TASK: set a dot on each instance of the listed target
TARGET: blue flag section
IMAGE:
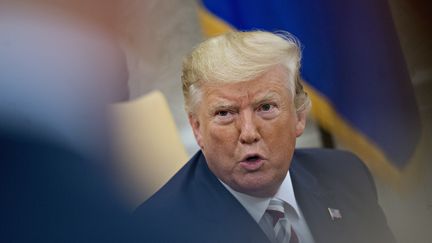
(351, 57)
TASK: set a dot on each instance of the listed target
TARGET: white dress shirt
(256, 207)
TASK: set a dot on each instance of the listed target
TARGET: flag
(353, 66)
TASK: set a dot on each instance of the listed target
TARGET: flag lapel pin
(335, 214)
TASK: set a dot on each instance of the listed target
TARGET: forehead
(270, 84)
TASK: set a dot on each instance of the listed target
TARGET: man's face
(247, 131)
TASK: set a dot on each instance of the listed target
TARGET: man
(246, 106)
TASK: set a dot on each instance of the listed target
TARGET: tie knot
(276, 210)
(282, 229)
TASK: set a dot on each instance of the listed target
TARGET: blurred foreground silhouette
(58, 73)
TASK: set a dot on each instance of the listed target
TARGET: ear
(301, 123)
(195, 124)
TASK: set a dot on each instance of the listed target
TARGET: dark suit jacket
(195, 207)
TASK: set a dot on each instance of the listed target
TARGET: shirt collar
(256, 206)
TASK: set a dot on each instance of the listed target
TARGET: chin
(259, 192)
(257, 189)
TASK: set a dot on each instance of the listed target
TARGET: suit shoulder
(336, 169)
(331, 160)
(349, 184)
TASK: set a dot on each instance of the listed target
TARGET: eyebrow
(269, 96)
(221, 105)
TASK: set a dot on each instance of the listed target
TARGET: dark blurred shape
(50, 193)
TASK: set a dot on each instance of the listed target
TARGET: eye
(268, 110)
(223, 116)
(266, 107)
(222, 113)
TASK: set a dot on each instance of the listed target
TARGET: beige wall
(157, 34)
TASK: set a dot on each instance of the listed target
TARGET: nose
(249, 132)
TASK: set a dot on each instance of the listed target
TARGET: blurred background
(154, 36)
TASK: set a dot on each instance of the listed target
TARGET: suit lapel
(315, 201)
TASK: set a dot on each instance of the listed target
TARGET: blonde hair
(242, 56)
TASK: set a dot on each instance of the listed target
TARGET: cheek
(219, 149)
(220, 135)
(220, 143)
(280, 135)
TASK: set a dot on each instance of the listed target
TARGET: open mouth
(253, 158)
(252, 162)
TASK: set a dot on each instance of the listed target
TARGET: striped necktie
(283, 230)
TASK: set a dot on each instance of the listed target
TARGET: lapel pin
(335, 214)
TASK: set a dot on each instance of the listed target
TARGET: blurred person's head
(246, 106)
(58, 72)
